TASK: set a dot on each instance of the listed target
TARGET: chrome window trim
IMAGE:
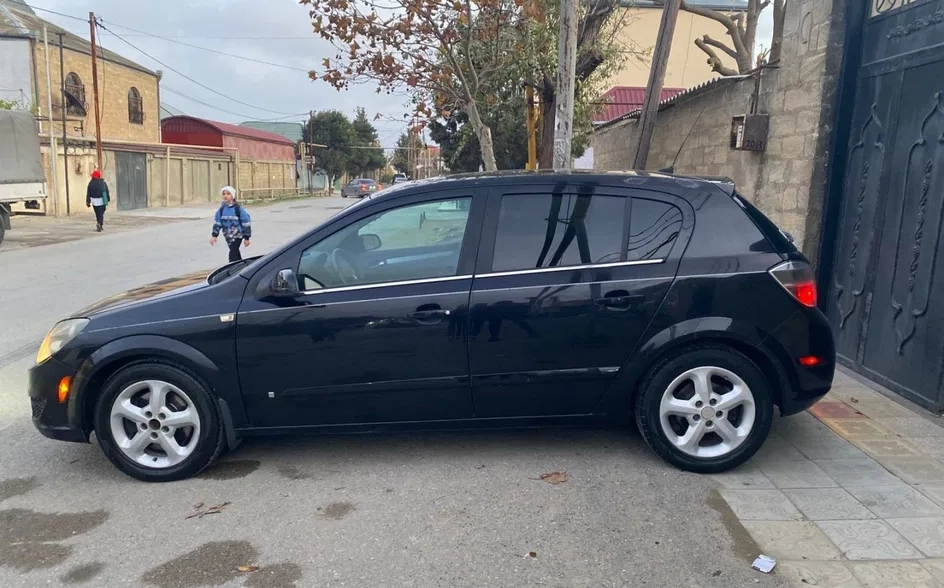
(385, 285)
(566, 268)
(488, 275)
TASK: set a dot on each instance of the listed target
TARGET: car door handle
(429, 314)
(620, 300)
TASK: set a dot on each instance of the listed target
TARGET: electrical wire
(185, 76)
(34, 7)
(165, 87)
(216, 51)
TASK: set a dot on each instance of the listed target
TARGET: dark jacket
(97, 188)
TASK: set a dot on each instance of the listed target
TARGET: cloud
(277, 31)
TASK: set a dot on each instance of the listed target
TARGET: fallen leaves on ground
(202, 511)
(247, 569)
(554, 477)
(531, 555)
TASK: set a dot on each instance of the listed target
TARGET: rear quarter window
(766, 226)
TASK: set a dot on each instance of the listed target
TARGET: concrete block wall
(787, 181)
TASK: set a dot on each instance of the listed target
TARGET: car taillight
(797, 278)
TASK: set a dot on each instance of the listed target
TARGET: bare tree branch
(718, 44)
(714, 61)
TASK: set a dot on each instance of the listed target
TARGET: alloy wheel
(155, 424)
(707, 412)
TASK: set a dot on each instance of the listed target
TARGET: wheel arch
(674, 340)
(119, 354)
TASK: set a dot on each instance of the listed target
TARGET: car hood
(161, 289)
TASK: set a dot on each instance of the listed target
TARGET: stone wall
(787, 181)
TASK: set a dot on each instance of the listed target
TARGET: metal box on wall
(749, 132)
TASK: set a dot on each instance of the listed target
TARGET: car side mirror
(370, 242)
(284, 284)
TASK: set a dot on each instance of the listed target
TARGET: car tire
(690, 432)
(129, 408)
(343, 195)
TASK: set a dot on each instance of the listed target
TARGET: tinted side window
(653, 229)
(545, 230)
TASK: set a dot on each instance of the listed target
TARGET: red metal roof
(236, 130)
(621, 100)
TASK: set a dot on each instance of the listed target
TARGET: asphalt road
(423, 509)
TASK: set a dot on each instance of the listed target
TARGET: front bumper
(50, 417)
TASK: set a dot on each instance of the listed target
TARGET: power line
(185, 76)
(223, 110)
(216, 51)
(34, 7)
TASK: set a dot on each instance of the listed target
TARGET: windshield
(275, 252)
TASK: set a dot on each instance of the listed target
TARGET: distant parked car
(400, 178)
(499, 300)
(359, 188)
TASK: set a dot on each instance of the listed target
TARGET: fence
(154, 176)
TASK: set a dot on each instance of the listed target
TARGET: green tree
(404, 156)
(367, 155)
(333, 129)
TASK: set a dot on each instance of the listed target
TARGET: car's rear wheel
(157, 423)
(706, 410)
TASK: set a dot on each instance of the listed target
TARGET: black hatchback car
(498, 300)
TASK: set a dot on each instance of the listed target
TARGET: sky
(275, 31)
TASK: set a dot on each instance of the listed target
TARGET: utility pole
(566, 71)
(65, 101)
(53, 151)
(532, 139)
(98, 114)
(660, 60)
(310, 149)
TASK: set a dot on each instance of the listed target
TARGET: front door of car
(374, 334)
(567, 279)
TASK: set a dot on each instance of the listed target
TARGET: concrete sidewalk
(848, 495)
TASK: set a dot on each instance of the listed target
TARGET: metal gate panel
(886, 295)
(907, 348)
(131, 172)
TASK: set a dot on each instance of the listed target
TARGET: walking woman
(96, 196)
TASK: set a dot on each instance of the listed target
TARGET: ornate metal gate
(886, 295)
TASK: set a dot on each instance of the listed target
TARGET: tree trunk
(546, 131)
(484, 135)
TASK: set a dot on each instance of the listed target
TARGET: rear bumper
(50, 417)
(806, 334)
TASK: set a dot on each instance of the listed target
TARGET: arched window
(135, 107)
(75, 95)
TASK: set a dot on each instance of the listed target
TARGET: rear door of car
(568, 276)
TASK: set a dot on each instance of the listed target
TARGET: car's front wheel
(705, 410)
(157, 423)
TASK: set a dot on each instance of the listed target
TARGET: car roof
(523, 177)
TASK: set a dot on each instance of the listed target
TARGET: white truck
(22, 177)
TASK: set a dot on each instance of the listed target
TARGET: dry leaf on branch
(246, 569)
(215, 509)
(554, 477)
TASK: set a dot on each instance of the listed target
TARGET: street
(849, 494)
(430, 509)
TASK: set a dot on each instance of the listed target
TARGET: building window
(135, 107)
(75, 95)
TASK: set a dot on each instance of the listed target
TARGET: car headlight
(59, 336)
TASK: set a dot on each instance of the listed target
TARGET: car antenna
(671, 168)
